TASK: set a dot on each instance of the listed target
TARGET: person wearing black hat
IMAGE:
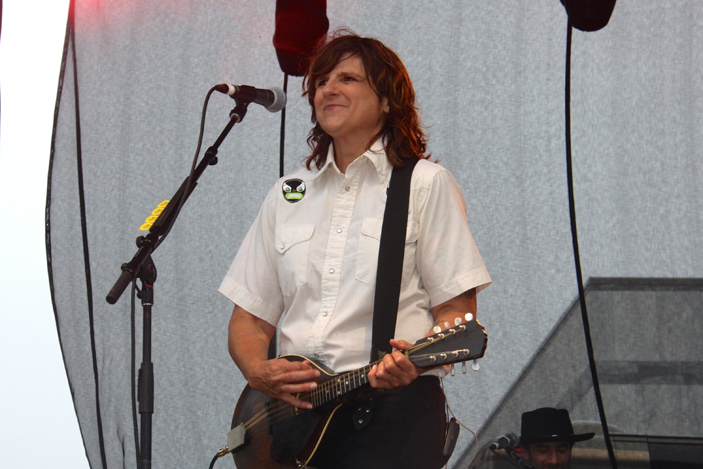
(547, 437)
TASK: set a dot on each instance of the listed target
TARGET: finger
(400, 344)
(375, 381)
(371, 376)
(304, 365)
(295, 376)
(398, 364)
(294, 401)
(403, 363)
(389, 372)
(402, 369)
(295, 388)
(282, 365)
(390, 364)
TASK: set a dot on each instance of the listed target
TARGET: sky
(38, 425)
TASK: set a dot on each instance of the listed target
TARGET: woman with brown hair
(312, 253)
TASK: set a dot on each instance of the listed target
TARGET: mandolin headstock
(465, 341)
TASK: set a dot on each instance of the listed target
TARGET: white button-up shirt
(313, 257)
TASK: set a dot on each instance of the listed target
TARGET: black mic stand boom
(143, 267)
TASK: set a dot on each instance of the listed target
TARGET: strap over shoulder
(390, 259)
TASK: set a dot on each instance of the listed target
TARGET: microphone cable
(577, 256)
(282, 150)
(212, 463)
(135, 289)
(281, 168)
(189, 185)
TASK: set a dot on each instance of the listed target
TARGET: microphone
(509, 440)
(273, 100)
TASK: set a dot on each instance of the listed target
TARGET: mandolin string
(275, 411)
(318, 395)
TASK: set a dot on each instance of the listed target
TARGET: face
(549, 455)
(346, 106)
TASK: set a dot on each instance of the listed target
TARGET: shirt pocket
(369, 243)
(292, 245)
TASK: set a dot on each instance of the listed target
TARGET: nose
(552, 458)
(330, 88)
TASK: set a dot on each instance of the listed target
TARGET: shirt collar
(376, 154)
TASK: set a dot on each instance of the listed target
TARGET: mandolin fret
(339, 385)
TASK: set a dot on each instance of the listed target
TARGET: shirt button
(283, 246)
(347, 188)
(331, 271)
(324, 313)
(339, 230)
(317, 354)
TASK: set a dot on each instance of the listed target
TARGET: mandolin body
(285, 436)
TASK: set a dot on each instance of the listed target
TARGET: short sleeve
(447, 257)
(252, 279)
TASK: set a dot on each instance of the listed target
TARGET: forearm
(248, 341)
(457, 307)
(395, 369)
(248, 345)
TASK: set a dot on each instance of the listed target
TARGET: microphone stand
(145, 386)
(143, 267)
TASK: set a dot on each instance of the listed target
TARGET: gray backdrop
(490, 83)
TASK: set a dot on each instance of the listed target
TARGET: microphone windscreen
(279, 100)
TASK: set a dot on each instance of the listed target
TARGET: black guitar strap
(390, 259)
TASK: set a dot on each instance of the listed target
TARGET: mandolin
(271, 434)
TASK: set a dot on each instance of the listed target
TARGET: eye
(320, 82)
(348, 79)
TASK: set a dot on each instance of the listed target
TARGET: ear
(384, 105)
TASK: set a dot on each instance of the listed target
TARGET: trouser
(406, 430)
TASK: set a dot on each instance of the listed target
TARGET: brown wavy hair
(389, 79)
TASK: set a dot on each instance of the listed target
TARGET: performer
(311, 256)
(547, 437)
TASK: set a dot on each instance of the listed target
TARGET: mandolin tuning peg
(436, 329)
(463, 367)
(469, 317)
(475, 366)
(457, 321)
(453, 371)
(446, 325)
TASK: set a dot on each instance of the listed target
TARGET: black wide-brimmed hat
(548, 425)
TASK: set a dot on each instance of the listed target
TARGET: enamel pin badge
(293, 190)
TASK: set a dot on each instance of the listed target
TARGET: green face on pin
(293, 190)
